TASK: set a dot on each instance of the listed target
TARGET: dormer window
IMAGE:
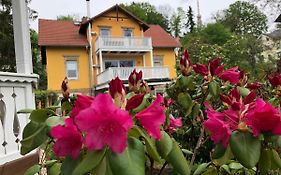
(128, 32)
(105, 31)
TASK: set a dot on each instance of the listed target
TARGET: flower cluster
(105, 120)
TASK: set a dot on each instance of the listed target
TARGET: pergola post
(22, 37)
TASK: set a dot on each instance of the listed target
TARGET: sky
(50, 9)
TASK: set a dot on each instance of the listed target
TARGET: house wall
(56, 68)
(169, 59)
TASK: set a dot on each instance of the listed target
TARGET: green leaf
(226, 168)
(186, 82)
(165, 145)
(54, 121)
(50, 163)
(201, 168)
(245, 148)
(89, 162)
(185, 102)
(225, 158)
(214, 88)
(33, 170)
(144, 104)
(243, 91)
(25, 111)
(187, 152)
(41, 115)
(55, 169)
(235, 166)
(131, 161)
(149, 143)
(177, 160)
(219, 151)
(66, 106)
(269, 160)
(69, 165)
(33, 136)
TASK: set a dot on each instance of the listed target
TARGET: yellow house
(98, 49)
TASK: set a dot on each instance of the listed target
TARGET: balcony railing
(123, 44)
(124, 72)
(15, 94)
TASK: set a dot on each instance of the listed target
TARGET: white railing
(15, 94)
(124, 72)
(123, 43)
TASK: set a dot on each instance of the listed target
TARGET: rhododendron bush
(210, 120)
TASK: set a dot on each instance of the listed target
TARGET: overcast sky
(50, 9)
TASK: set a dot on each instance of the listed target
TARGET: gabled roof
(116, 8)
(278, 19)
(60, 33)
(160, 38)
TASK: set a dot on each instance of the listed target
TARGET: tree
(65, 18)
(244, 18)
(148, 13)
(177, 22)
(7, 53)
(273, 5)
(190, 24)
(215, 33)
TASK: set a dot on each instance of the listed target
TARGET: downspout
(91, 76)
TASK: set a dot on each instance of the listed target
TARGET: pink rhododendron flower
(274, 79)
(264, 118)
(68, 139)
(215, 67)
(232, 75)
(81, 103)
(153, 117)
(174, 124)
(134, 80)
(201, 69)
(168, 102)
(134, 102)
(254, 86)
(220, 130)
(105, 124)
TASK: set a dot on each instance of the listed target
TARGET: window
(128, 32)
(158, 61)
(72, 69)
(118, 63)
(105, 32)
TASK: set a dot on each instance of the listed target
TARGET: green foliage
(245, 18)
(245, 148)
(33, 170)
(131, 161)
(176, 22)
(45, 97)
(65, 18)
(148, 13)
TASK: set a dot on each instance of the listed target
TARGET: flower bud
(135, 80)
(65, 88)
(274, 79)
(185, 64)
(118, 92)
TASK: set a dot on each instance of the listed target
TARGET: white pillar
(143, 60)
(91, 75)
(101, 64)
(22, 37)
(151, 58)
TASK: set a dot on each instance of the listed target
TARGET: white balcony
(15, 94)
(123, 44)
(124, 72)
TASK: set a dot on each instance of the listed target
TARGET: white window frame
(126, 29)
(118, 60)
(105, 28)
(160, 58)
(69, 59)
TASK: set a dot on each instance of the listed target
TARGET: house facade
(98, 49)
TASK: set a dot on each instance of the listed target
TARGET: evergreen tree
(190, 24)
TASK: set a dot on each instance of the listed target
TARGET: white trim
(16, 77)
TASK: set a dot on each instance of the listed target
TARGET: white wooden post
(151, 59)
(143, 60)
(101, 64)
(22, 37)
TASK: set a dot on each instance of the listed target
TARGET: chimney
(88, 9)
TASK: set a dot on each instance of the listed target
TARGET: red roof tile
(60, 33)
(160, 38)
